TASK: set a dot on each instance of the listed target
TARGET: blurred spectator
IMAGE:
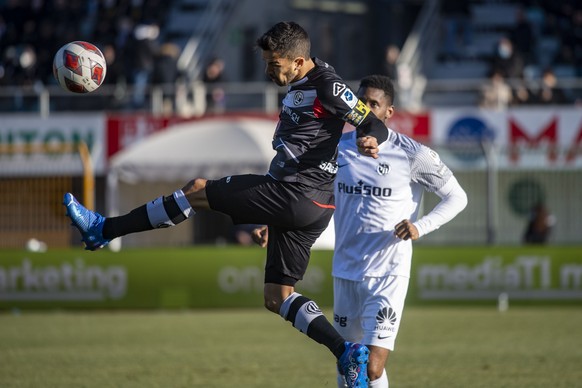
(392, 54)
(506, 60)
(143, 46)
(165, 64)
(523, 37)
(539, 225)
(496, 93)
(522, 95)
(549, 92)
(458, 29)
(213, 76)
(166, 73)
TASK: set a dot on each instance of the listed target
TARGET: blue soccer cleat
(353, 364)
(89, 223)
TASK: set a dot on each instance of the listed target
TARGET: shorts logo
(383, 168)
(298, 98)
(386, 314)
(228, 178)
(342, 321)
(338, 88)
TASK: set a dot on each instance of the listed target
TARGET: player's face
(377, 101)
(280, 70)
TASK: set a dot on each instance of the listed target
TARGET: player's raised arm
(338, 99)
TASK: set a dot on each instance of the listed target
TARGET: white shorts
(369, 311)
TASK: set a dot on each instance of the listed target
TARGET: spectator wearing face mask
(506, 60)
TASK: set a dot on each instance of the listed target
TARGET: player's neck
(308, 65)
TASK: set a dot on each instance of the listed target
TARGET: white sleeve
(453, 201)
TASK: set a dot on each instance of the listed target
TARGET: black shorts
(295, 214)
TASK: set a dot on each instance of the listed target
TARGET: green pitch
(437, 347)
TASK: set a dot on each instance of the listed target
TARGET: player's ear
(298, 63)
(389, 112)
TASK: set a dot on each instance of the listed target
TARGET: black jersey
(310, 125)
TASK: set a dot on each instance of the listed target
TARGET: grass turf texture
(437, 347)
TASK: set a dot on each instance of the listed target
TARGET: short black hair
(381, 82)
(288, 39)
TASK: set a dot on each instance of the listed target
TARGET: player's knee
(194, 186)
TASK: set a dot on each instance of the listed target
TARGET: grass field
(437, 347)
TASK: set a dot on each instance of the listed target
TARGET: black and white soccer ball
(79, 67)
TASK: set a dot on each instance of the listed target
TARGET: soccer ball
(79, 67)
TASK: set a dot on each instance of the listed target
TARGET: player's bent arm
(453, 201)
(372, 126)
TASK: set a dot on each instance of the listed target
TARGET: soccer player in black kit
(295, 198)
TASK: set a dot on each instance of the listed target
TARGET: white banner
(531, 138)
(31, 145)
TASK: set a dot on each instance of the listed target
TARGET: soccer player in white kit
(377, 202)
(375, 223)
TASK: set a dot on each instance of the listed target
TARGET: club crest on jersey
(338, 88)
(383, 168)
(298, 98)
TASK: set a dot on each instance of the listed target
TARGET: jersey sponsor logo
(298, 98)
(357, 114)
(364, 190)
(328, 166)
(338, 87)
(383, 168)
(349, 98)
(292, 115)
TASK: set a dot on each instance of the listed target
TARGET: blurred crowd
(542, 47)
(127, 31)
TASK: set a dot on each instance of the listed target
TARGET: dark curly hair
(288, 39)
(381, 82)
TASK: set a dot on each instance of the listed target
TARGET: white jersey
(372, 196)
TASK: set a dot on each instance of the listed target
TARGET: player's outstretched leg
(353, 364)
(89, 223)
(97, 231)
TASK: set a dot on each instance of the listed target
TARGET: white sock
(341, 381)
(381, 382)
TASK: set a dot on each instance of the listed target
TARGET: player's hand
(368, 146)
(260, 236)
(406, 230)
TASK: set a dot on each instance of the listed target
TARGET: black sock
(138, 219)
(135, 221)
(306, 317)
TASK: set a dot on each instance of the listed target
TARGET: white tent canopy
(210, 148)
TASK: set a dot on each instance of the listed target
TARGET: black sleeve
(373, 126)
(338, 99)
